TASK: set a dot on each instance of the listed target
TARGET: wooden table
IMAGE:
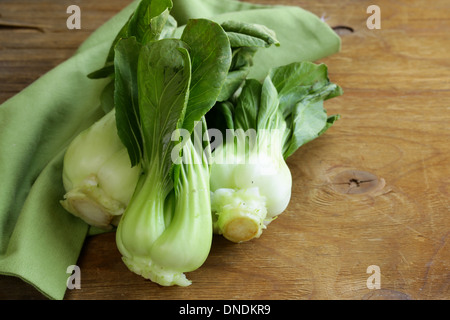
(373, 191)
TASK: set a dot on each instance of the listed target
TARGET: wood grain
(374, 190)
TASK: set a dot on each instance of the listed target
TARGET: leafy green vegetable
(211, 59)
(302, 89)
(245, 39)
(163, 75)
(163, 95)
(212, 63)
(126, 97)
(98, 176)
(150, 21)
(166, 229)
(244, 34)
(250, 180)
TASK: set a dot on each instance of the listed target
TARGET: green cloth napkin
(38, 238)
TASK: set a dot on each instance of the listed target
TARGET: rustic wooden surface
(373, 191)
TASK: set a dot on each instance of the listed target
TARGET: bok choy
(161, 87)
(139, 168)
(250, 180)
(98, 175)
(98, 187)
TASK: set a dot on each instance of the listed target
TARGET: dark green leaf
(233, 82)
(291, 99)
(302, 87)
(126, 97)
(107, 97)
(210, 53)
(242, 57)
(309, 119)
(123, 33)
(164, 74)
(330, 121)
(245, 39)
(297, 80)
(104, 72)
(244, 34)
(220, 117)
(147, 23)
(268, 109)
(149, 19)
(240, 68)
(246, 112)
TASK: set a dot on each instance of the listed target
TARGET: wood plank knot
(357, 182)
